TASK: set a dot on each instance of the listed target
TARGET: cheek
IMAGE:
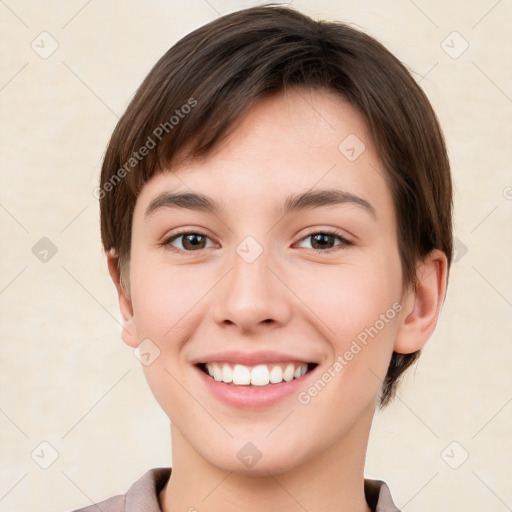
(350, 297)
(357, 311)
(167, 310)
(164, 297)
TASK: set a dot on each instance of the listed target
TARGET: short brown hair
(220, 70)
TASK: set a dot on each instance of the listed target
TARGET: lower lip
(253, 397)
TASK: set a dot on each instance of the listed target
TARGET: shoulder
(142, 495)
(113, 504)
(378, 496)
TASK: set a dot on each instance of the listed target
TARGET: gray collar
(142, 496)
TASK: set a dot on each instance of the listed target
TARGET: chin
(249, 461)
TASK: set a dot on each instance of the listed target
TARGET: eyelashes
(190, 237)
(199, 241)
(329, 235)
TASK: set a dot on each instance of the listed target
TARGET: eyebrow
(296, 202)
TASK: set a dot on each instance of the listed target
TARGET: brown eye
(322, 241)
(188, 242)
(325, 241)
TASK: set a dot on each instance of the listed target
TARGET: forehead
(290, 142)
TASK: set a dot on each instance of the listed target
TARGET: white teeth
(241, 375)
(217, 372)
(227, 374)
(276, 375)
(260, 375)
(288, 373)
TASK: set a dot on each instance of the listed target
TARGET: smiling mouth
(255, 376)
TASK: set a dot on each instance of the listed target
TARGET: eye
(188, 241)
(324, 241)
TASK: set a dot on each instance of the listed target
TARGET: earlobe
(128, 332)
(422, 305)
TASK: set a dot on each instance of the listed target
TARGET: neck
(332, 480)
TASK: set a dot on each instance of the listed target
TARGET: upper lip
(250, 358)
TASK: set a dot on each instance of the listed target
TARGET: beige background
(66, 377)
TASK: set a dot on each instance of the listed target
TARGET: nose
(252, 297)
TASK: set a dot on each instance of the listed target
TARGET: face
(256, 283)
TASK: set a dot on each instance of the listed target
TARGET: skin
(289, 300)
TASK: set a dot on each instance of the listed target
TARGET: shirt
(142, 496)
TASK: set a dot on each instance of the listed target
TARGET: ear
(129, 331)
(422, 304)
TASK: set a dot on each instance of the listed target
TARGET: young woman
(276, 211)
